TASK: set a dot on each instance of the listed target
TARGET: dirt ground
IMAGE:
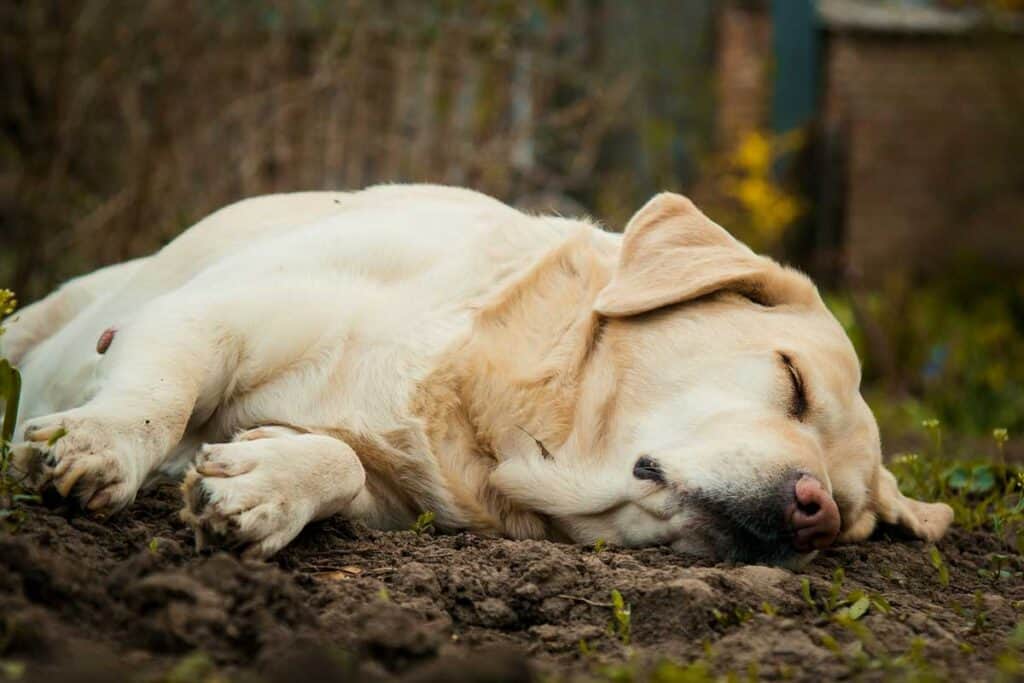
(129, 599)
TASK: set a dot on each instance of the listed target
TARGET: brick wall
(743, 49)
(921, 163)
(934, 150)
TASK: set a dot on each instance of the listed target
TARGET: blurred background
(877, 145)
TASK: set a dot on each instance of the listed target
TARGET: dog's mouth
(731, 534)
(754, 527)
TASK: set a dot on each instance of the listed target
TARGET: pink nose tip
(813, 514)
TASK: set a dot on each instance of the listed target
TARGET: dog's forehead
(729, 325)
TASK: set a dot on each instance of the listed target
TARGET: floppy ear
(927, 521)
(671, 253)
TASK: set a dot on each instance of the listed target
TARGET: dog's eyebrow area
(798, 403)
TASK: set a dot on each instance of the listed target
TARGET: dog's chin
(703, 551)
(710, 538)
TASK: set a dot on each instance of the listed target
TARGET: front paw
(239, 496)
(85, 458)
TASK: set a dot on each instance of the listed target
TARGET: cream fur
(420, 348)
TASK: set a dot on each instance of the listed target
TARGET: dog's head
(720, 410)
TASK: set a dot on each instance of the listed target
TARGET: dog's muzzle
(793, 515)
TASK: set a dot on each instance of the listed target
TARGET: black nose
(648, 468)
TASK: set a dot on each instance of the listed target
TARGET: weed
(1001, 567)
(805, 591)
(850, 606)
(940, 565)
(1009, 662)
(599, 545)
(697, 671)
(666, 671)
(12, 670)
(980, 613)
(934, 428)
(831, 644)
(1001, 435)
(12, 495)
(739, 615)
(866, 654)
(194, 667)
(984, 493)
(620, 617)
(8, 303)
(424, 524)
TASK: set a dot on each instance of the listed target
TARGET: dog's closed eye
(798, 402)
(648, 468)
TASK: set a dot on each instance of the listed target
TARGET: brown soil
(129, 599)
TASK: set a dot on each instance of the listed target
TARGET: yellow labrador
(419, 348)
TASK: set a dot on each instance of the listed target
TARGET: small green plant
(12, 494)
(934, 428)
(1001, 567)
(984, 493)
(980, 613)
(739, 615)
(12, 670)
(940, 565)
(866, 653)
(1010, 662)
(1001, 435)
(600, 545)
(851, 605)
(424, 524)
(193, 668)
(620, 617)
(8, 302)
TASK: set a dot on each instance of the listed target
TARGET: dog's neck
(513, 388)
(523, 366)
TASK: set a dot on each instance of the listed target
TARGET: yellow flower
(905, 459)
(7, 305)
(767, 208)
(754, 154)
(7, 302)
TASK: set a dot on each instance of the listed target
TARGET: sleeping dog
(413, 348)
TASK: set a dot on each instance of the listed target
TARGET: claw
(213, 469)
(67, 479)
(38, 434)
(98, 501)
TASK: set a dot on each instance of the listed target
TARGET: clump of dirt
(129, 599)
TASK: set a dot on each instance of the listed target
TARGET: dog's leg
(174, 365)
(258, 492)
